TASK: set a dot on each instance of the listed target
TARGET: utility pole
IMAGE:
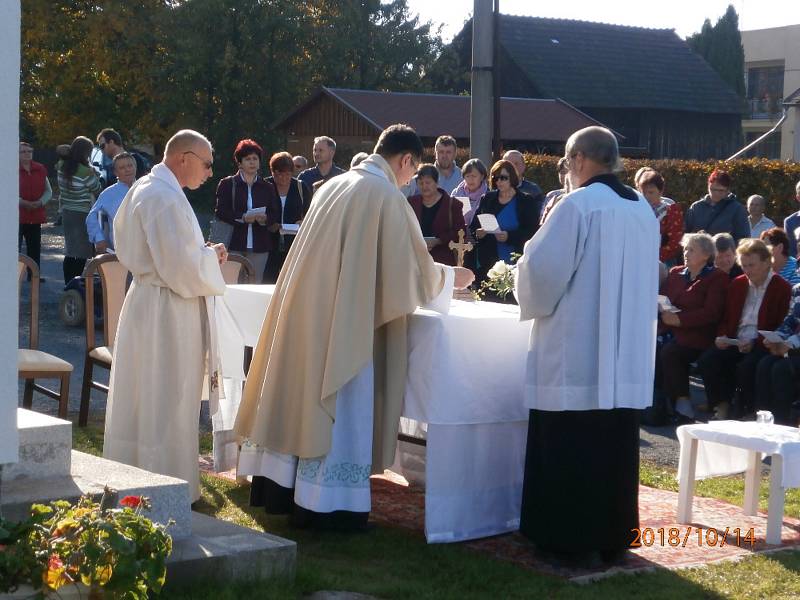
(481, 118)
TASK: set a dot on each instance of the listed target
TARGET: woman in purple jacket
(250, 205)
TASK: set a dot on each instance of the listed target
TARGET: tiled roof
(432, 115)
(597, 65)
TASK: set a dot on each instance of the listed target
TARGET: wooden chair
(238, 269)
(113, 281)
(34, 364)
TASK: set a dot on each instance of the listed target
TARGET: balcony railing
(763, 108)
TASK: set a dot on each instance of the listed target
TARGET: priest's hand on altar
(463, 278)
(222, 253)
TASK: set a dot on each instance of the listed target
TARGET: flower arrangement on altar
(112, 552)
(500, 278)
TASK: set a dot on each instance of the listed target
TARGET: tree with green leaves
(721, 46)
(229, 68)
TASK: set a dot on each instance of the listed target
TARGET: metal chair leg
(27, 396)
(86, 391)
(63, 401)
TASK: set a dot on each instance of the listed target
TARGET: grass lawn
(391, 562)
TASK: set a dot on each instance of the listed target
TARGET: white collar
(375, 164)
(165, 174)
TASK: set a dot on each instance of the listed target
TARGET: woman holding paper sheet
(698, 291)
(757, 300)
(250, 205)
(516, 215)
(294, 200)
(440, 216)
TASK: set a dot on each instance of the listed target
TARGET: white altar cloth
(466, 378)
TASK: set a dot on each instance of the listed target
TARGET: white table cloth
(465, 386)
(728, 447)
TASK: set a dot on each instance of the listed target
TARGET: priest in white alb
(163, 345)
(324, 391)
(589, 281)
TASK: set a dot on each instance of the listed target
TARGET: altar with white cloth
(466, 374)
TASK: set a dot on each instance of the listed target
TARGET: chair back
(114, 283)
(25, 264)
(238, 269)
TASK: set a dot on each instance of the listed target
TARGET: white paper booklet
(771, 336)
(290, 228)
(465, 205)
(256, 211)
(664, 305)
(728, 340)
(489, 223)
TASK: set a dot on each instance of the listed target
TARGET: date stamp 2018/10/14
(676, 537)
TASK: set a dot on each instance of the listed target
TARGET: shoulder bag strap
(713, 220)
(302, 200)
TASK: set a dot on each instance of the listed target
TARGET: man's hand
(101, 247)
(261, 219)
(777, 348)
(274, 228)
(463, 279)
(745, 346)
(480, 233)
(222, 253)
(719, 343)
(249, 219)
(501, 236)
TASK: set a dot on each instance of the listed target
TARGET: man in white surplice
(324, 391)
(164, 336)
(589, 279)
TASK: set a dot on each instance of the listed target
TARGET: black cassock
(581, 489)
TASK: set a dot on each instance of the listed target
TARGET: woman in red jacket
(669, 214)
(440, 217)
(757, 300)
(698, 290)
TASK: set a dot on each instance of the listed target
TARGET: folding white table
(728, 447)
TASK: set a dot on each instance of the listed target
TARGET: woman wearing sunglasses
(517, 215)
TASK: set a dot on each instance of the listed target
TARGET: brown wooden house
(355, 119)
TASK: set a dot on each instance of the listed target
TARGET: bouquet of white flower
(500, 279)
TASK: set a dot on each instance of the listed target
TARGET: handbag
(222, 232)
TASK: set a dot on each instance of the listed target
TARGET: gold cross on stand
(460, 248)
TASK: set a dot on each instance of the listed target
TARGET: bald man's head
(186, 140)
(190, 157)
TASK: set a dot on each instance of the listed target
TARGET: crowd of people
(727, 270)
(729, 300)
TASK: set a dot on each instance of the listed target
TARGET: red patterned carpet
(401, 505)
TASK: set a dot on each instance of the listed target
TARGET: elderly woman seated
(782, 264)
(778, 372)
(757, 300)
(698, 290)
(726, 255)
(440, 217)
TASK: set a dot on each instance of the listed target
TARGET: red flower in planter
(54, 562)
(131, 501)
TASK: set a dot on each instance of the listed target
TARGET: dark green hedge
(686, 179)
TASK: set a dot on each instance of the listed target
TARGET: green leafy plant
(500, 279)
(118, 550)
